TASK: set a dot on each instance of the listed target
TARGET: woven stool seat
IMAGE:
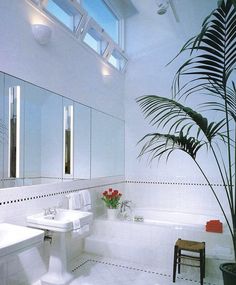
(189, 246)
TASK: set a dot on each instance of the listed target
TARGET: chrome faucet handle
(46, 211)
(52, 211)
(124, 205)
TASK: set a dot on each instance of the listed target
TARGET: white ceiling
(190, 12)
(146, 30)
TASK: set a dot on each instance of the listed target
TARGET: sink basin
(15, 238)
(63, 221)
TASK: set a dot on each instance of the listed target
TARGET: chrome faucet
(50, 211)
(124, 205)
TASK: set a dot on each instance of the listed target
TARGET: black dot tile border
(23, 199)
(65, 192)
(136, 269)
(173, 183)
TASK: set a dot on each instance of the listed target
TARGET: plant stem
(221, 207)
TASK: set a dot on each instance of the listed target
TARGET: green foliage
(206, 74)
(158, 145)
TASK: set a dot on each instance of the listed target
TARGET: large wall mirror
(45, 137)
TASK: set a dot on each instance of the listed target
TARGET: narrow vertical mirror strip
(14, 132)
(68, 139)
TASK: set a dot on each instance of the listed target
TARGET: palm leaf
(216, 43)
(167, 112)
(158, 145)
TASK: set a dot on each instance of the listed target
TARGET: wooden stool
(191, 246)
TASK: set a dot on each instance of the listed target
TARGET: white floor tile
(95, 270)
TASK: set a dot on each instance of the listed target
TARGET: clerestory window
(104, 16)
(63, 11)
(94, 23)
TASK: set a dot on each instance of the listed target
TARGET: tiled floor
(94, 270)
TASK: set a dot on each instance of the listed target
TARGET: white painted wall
(152, 41)
(68, 68)
(64, 66)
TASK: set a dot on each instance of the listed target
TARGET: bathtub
(151, 242)
(168, 218)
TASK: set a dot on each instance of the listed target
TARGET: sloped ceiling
(190, 12)
(147, 30)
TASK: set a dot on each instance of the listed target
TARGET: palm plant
(207, 74)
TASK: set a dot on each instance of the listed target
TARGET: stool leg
(175, 263)
(179, 260)
(202, 265)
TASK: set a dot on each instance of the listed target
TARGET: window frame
(86, 23)
(121, 26)
(120, 22)
(116, 48)
(76, 31)
(91, 23)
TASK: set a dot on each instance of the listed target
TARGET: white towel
(85, 200)
(76, 224)
(81, 231)
(74, 201)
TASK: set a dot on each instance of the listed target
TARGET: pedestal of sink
(61, 223)
(57, 271)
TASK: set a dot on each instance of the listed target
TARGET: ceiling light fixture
(162, 6)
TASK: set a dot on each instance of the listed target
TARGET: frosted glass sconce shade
(42, 33)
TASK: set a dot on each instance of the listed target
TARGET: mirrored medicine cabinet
(45, 137)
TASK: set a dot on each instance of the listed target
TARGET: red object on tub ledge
(214, 226)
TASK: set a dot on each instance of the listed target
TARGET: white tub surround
(178, 219)
(153, 244)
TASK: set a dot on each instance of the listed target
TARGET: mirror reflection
(107, 145)
(45, 137)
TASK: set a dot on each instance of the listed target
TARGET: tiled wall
(17, 203)
(175, 195)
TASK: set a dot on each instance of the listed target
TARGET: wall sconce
(42, 33)
(105, 71)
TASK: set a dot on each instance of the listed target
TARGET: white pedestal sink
(13, 240)
(60, 223)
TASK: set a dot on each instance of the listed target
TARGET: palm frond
(156, 145)
(216, 45)
(165, 112)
